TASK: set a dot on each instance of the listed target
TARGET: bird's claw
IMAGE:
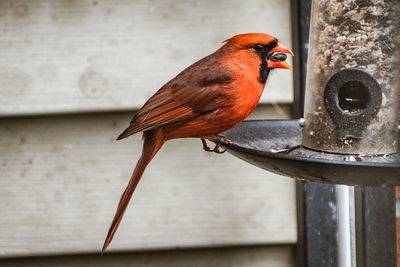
(215, 149)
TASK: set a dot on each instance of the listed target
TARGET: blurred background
(72, 74)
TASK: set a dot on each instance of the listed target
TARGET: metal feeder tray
(275, 145)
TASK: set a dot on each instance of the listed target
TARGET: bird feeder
(350, 131)
(352, 96)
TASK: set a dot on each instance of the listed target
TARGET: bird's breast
(245, 70)
(248, 96)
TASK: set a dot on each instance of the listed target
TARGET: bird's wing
(196, 91)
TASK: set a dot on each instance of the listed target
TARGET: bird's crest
(250, 38)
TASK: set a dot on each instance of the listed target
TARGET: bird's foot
(215, 149)
(217, 139)
(205, 146)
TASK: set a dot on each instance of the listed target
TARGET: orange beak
(280, 48)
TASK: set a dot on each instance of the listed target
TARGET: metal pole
(343, 225)
(375, 209)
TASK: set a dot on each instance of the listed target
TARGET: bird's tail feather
(153, 141)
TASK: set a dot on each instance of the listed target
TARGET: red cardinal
(209, 97)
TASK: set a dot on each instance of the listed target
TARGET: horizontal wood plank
(61, 178)
(78, 56)
(258, 256)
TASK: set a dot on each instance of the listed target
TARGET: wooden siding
(80, 56)
(61, 178)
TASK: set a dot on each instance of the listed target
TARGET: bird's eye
(258, 47)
